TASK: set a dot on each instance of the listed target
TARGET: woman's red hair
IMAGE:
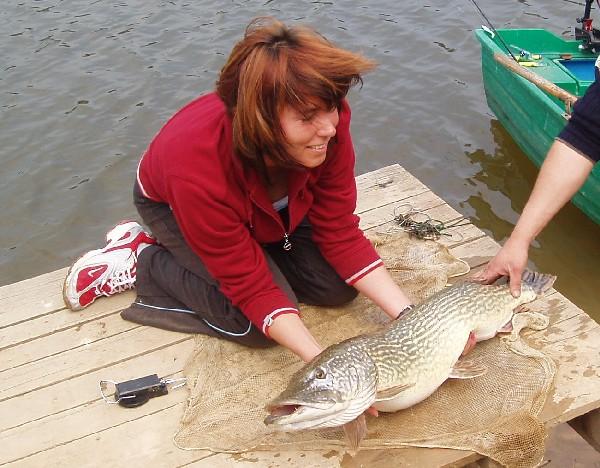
(274, 66)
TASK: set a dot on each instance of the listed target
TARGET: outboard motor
(587, 33)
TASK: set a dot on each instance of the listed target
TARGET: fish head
(331, 390)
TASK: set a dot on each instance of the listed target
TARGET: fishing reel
(587, 33)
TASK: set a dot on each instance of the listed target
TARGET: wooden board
(51, 360)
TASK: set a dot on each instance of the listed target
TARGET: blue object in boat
(581, 69)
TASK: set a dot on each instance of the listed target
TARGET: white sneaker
(107, 271)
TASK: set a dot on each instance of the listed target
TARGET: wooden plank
(395, 186)
(577, 385)
(477, 252)
(573, 328)
(36, 297)
(65, 340)
(44, 302)
(30, 285)
(414, 457)
(385, 214)
(61, 320)
(150, 442)
(77, 423)
(145, 441)
(404, 457)
(279, 459)
(382, 219)
(558, 309)
(66, 365)
(83, 390)
(378, 176)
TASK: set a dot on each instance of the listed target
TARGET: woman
(250, 193)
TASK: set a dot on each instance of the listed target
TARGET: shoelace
(121, 280)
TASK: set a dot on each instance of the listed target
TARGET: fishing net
(493, 415)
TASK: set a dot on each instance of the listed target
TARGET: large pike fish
(402, 364)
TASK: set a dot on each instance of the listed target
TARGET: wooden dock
(52, 359)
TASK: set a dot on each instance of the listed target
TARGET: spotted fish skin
(421, 349)
(405, 362)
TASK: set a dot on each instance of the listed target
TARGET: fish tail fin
(539, 282)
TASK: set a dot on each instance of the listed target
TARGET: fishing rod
(494, 30)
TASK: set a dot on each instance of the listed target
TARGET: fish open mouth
(282, 410)
(278, 414)
(285, 413)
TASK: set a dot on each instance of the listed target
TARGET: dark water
(85, 85)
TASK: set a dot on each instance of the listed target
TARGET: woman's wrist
(288, 330)
(310, 353)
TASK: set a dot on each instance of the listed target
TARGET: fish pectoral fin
(392, 392)
(465, 369)
(356, 431)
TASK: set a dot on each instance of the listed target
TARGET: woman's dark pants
(176, 292)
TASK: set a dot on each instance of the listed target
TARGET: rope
(421, 225)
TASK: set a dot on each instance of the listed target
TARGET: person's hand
(509, 261)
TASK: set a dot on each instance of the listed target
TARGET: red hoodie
(225, 213)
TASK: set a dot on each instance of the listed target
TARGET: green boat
(531, 115)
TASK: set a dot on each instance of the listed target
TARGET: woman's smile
(308, 134)
(318, 148)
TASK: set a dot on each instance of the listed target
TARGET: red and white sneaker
(107, 271)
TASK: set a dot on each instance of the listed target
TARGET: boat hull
(531, 116)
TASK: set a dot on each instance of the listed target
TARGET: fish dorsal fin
(355, 431)
(465, 369)
(392, 392)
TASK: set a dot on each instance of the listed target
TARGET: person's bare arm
(288, 330)
(564, 171)
(379, 286)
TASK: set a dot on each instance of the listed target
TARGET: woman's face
(308, 134)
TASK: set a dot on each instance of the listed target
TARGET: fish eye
(320, 373)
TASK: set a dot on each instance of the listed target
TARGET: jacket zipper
(287, 245)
